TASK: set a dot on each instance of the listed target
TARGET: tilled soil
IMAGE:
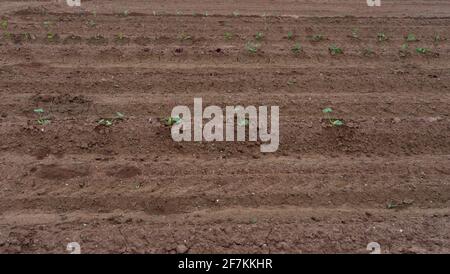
(129, 188)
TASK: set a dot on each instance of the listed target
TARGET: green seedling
(170, 121)
(422, 50)
(228, 35)
(317, 38)
(402, 204)
(404, 50)
(438, 38)
(50, 36)
(97, 38)
(120, 36)
(368, 52)
(251, 47)
(244, 122)
(4, 24)
(119, 116)
(28, 36)
(184, 37)
(291, 82)
(41, 119)
(411, 38)
(333, 121)
(125, 13)
(110, 121)
(105, 122)
(47, 24)
(91, 23)
(381, 37)
(391, 205)
(253, 220)
(334, 50)
(236, 13)
(355, 34)
(259, 36)
(290, 35)
(297, 48)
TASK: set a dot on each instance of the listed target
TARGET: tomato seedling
(422, 50)
(170, 121)
(411, 38)
(297, 48)
(251, 47)
(259, 36)
(110, 121)
(335, 50)
(333, 121)
(41, 120)
(381, 37)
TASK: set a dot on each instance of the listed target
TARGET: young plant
(47, 24)
(297, 48)
(170, 121)
(404, 50)
(411, 38)
(184, 37)
(290, 35)
(228, 35)
(251, 47)
(381, 37)
(422, 50)
(355, 34)
(333, 121)
(316, 38)
(236, 13)
(28, 36)
(244, 122)
(437, 38)
(91, 23)
(50, 36)
(41, 119)
(4, 24)
(259, 36)
(120, 36)
(335, 50)
(291, 82)
(402, 204)
(107, 122)
(391, 205)
(368, 52)
(125, 13)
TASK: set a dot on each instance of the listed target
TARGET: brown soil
(383, 177)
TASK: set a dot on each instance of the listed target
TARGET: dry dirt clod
(181, 249)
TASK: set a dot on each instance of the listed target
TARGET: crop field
(87, 156)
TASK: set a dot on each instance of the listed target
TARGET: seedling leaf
(327, 110)
(244, 122)
(337, 123)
